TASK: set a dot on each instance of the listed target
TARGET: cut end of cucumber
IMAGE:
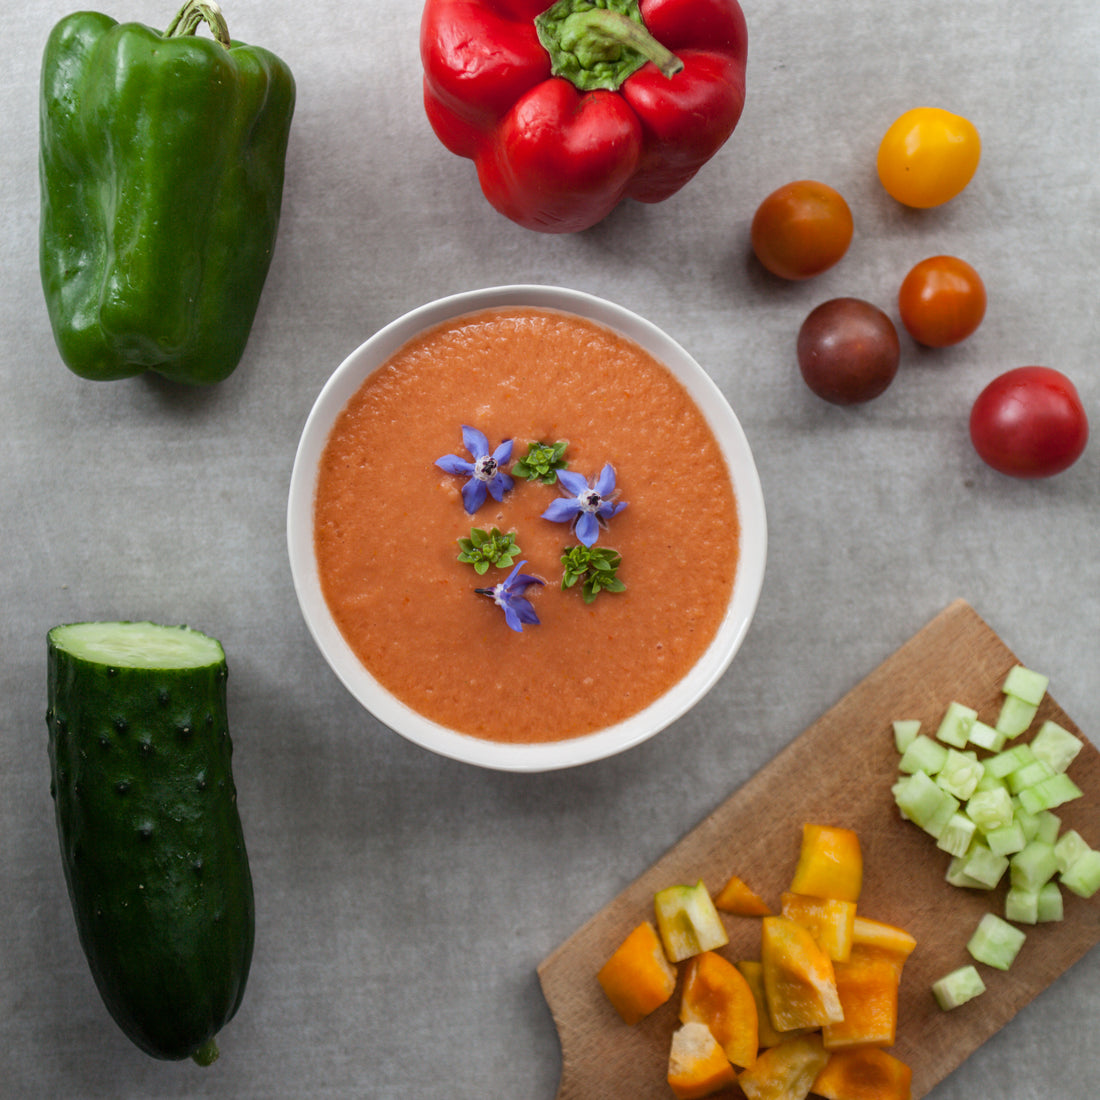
(207, 1054)
(137, 645)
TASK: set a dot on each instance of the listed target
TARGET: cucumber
(151, 841)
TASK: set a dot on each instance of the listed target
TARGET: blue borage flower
(590, 506)
(509, 595)
(486, 478)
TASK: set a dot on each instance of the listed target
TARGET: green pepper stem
(193, 14)
(207, 1054)
(611, 28)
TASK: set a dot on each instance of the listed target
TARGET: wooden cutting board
(839, 772)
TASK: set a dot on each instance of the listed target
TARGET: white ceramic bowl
(339, 389)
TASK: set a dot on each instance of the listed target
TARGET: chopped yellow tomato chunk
(799, 981)
(716, 994)
(737, 897)
(697, 1066)
(830, 864)
(787, 1071)
(829, 920)
(866, 1073)
(638, 978)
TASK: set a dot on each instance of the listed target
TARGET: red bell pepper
(568, 110)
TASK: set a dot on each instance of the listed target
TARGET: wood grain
(839, 772)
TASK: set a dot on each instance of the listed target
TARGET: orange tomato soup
(387, 521)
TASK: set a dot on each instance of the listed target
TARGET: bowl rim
(347, 378)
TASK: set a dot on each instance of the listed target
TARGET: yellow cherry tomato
(928, 156)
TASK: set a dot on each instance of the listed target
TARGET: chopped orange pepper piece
(867, 985)
(753, 972)
(696, 1064)
(887, 938)
(638, 978)
(787, 1071)
(830, 921)
(864, 1074)
(799, 981)
(716, 994)
(737, 897)
(830, 864)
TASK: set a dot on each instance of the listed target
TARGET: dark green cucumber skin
(152, 846)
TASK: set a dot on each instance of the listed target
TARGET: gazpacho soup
(478, 457)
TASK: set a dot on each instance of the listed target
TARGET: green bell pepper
(161, 164)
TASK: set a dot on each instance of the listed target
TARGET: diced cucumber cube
(1049, 793)
(1050, 903)
(1025, 684)
(1029, 823)
(960, 774)
(1007, 840)
(1009, 760)
(1015, 716)
(956, 835)
(1056, 745)
(923, 755)
(1033, 865)
(990, 809)
(957, 876)
(905, 732)
(956, 724)
(984, 865)
(1083, 875)
(924, 803)
(1022, 905)
(989, 782)
(995, 942)
(958, 987)
(1029, 775)
(1050, 825)
(986, 737)
(1069, 848)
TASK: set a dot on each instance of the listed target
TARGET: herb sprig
(595, 567)
(485, 548)
(542, 462)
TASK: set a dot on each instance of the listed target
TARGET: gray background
(404, 901)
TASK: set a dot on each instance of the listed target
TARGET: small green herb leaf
(595, 566)
(542, 462)
(485, 548)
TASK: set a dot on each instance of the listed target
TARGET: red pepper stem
(612, 28)
(193, 14)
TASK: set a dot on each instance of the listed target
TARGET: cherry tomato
(928, 156)
(942, 301)
(802, 229)
(848, 351)
(1029, 422)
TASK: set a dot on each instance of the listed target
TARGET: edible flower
(590, 506)
(509, 595)
(486, 478)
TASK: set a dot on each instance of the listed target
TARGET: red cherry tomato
(942, 301)
(1029, 422)
(848, 351)
(802, 229)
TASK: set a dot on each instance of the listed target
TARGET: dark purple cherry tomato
(1029, 422)
(848, 351)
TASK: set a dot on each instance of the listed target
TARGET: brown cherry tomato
(942, 301)
(848, 351)
(802, 229)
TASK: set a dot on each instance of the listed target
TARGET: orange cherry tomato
(928, 156)
(801, 229)
(942, 301)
